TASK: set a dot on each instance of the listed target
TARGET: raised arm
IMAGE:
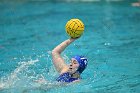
(58, 61)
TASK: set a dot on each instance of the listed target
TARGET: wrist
(72, 39)
(69, 41)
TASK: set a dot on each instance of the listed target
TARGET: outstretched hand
(75, 38)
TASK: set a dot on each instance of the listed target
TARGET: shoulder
(64, 70)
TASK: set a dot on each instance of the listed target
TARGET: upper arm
(59, 62)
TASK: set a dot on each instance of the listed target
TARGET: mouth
(70, 67)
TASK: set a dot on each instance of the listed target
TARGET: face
(73, 65)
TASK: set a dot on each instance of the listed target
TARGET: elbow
(54, 52)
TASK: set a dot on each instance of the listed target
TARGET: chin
(71, 72)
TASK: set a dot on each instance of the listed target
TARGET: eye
(75, 63)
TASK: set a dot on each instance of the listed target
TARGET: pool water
(111, 42)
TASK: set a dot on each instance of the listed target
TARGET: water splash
(7, 82)
(25, 77)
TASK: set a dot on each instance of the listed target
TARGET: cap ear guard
(84, 60)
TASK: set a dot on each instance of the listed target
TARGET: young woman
(68, 73)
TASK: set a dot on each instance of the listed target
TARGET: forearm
(62, 46)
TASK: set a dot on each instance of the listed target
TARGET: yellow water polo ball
(74, 28)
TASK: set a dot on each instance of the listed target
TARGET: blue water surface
(29, 30)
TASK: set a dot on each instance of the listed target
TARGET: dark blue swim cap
(82, 63)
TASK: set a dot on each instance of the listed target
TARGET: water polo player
(68, 73)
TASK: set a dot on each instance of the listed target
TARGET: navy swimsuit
(66, 77)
